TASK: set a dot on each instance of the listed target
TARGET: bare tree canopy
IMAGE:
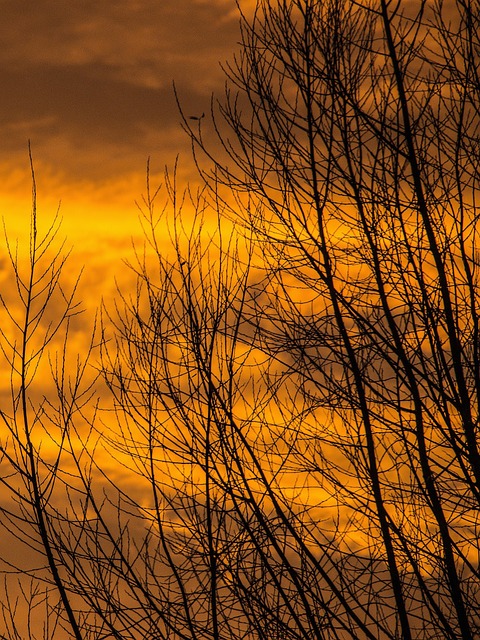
(296, 385)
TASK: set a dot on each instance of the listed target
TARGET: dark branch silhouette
(291, 449)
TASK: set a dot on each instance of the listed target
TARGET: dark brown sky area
(90, 83)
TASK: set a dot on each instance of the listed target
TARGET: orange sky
(90, 84)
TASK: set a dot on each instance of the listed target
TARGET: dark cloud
(96, 77)
(90, 112)
(84, 102)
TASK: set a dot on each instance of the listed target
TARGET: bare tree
(295, 382)
(44, 395)
(353, 129)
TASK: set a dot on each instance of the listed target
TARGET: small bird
(198, 118)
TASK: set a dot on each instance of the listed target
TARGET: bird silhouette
(198, 118)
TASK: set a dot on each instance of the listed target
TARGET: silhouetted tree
(42, 394)
(350, 138)
(296, 380)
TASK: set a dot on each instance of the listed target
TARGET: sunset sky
(90, 84)
(258, 415)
